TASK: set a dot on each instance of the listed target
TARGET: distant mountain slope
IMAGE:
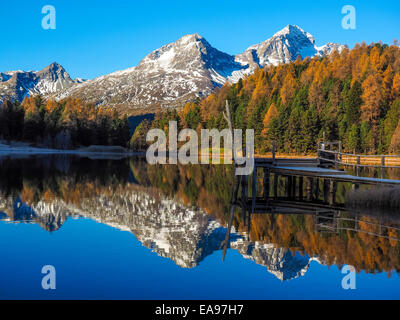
(16, 85)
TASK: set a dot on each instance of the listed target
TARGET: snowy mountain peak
(190, 38)
(189, 53)
(16, 85)
(294, 31)
(54, 72)
(284, 47)
(169, 76)
(54, 66)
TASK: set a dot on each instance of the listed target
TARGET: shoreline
(97, 152)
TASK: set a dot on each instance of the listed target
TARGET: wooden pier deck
(310, 168)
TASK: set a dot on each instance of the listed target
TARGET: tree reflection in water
(186, 213)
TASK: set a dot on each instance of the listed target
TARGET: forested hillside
(353, 96)
(67, 124)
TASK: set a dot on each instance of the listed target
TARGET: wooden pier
(308, 186)
(308, 189)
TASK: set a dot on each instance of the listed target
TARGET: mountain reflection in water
(182, 213)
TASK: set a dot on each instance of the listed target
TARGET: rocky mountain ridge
(170, 76)
(16, 85)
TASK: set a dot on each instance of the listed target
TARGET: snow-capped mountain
(168, 77)
(175, 73)
(16, 85)
(284, 47)
(279, 261)
(189, 68)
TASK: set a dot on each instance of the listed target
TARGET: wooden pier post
(301, 185)
(276, 186)
(254, 190)
(267, 183)
(294, 182)
(332, 192)
(288, 186)
(246, 187)
(309, 188)
(254, 183)
(225, 243)
(326, 190)
(316, 188)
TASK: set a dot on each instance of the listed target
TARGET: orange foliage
(269, 116)
(373, 98)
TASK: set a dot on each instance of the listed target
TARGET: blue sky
(95, 37)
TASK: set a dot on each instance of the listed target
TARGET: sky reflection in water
(169, 250)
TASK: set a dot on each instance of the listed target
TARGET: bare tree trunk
(228, 118)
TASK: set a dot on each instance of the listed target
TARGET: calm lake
(122, 229)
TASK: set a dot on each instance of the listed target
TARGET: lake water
(122, 229)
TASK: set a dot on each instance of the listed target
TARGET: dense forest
(352, 96)
(67, 124)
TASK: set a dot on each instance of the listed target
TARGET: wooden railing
(331, 152)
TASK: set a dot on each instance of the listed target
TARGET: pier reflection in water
(275, 194)
(187, 214)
